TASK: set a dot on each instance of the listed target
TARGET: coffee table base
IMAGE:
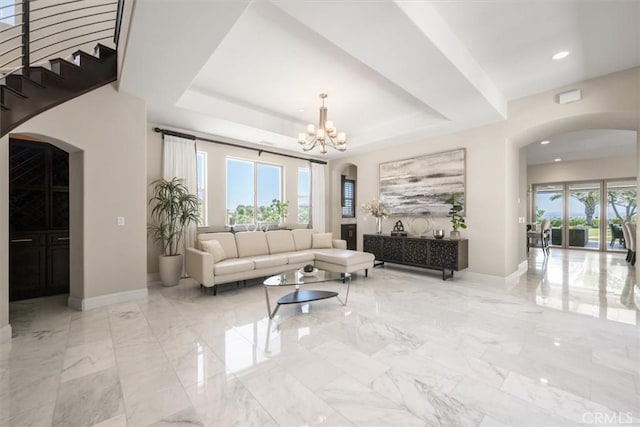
(302, 296)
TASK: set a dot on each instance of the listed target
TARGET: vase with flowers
(377, 210)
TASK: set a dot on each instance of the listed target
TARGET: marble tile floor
(561, 346)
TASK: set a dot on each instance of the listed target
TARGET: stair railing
(44, 30)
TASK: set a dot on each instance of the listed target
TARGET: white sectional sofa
(230, 257)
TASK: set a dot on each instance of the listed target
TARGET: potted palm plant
(174, 208)
(457, 220)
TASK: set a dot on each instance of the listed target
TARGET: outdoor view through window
(252, 191)
(592, 210)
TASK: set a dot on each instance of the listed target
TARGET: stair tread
(46, 71)
(24, 78)
(107, 49)
(82, 53)
(13, 91)
(64, 61)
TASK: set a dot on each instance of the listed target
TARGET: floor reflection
(595, 284)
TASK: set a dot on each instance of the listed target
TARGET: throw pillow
(214, 248)
(321, 241)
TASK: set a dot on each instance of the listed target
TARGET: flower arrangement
(376, 209)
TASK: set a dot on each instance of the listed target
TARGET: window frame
(204, 222)
(307, 195)
(255, 165)
(343, 198)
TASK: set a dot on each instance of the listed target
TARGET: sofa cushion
(280, 241)
(235, 265)
(269, 261)
(321, 240)
(227, 241)
(302, 238)
(300, 256)
(343, 257)
(214, 248)
(251, 243)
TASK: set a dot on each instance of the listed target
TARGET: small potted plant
(457, 220)
(174, 208)
(281, 209)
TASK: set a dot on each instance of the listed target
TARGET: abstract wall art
(420, 186)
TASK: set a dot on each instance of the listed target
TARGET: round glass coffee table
(297, 279)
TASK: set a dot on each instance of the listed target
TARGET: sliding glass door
(586, 215)
(622, 206)
(549, 204)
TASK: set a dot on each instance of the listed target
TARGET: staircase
(24, 96)
(32, 88)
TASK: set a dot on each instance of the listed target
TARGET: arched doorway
(48, 247)
(541, 131)
(348, 205)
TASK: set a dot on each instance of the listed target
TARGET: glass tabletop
(295, 277)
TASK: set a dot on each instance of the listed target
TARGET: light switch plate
(521, 219)
(120, 220)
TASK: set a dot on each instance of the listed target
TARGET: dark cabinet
(348, 232)
(444, 255)
(38, 265)
(38, 220)
(58, 263)
(27, 266)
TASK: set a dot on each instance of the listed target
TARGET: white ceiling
(395, 71)
(582, 145)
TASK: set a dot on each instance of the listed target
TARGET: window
(348, 198)
(303, 195)
(251, 190)
(7, 10)
(201, 190)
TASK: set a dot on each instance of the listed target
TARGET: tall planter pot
(170, 269)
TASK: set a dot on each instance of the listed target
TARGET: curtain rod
(260, 151)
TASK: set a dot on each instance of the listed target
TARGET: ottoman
(343, 261)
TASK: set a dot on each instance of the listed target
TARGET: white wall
(106, 131)
(216, 177)
(495, 194)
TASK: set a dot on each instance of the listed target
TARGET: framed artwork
(420, 186)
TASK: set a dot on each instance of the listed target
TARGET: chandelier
(326, 134)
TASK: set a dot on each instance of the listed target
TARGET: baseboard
(515, 276)
(153, 277)
(500, 280)
(83, 304)
(479, 277)
(5, 334)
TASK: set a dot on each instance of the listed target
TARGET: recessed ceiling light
(561, 55)
(301, 110)
(557, 160)
(544, 142)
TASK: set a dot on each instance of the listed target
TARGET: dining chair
(542, 235)
(632, 241)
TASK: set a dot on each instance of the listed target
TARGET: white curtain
(179, 160)
(317, 197)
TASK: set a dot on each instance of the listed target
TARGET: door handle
(21, 240)
(63, 238)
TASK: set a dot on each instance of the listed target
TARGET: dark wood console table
(427, 252)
